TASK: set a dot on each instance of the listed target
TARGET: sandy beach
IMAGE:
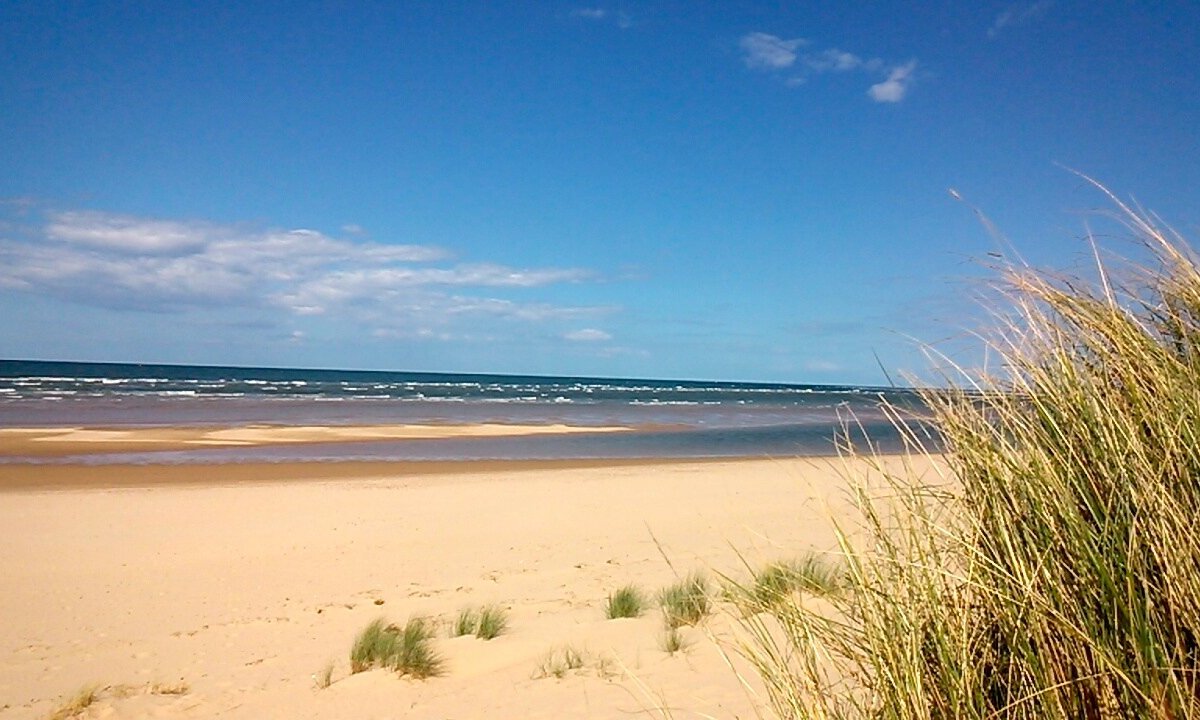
(204, 591)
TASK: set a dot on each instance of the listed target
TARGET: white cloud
(1018, 14)
(588, 335)
(895, 87)
(767, 52)
(126, 262)
(833, 60)
(772, 54)
(620, 18)
(123, 233)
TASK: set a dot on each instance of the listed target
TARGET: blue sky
(741, 191)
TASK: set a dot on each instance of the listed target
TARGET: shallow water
(670, 419)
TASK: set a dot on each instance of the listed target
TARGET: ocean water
(671, 419)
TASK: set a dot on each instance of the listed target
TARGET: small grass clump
(777, 581)
(627, 602)
(559, 662)
(1048, 564)
(493, 621)
(84, 698)
(672, 641)
(324, 678)
(408, 650)
(76, 705)
(486, 623)
(375, 645)
(465, 622)
(686, 602)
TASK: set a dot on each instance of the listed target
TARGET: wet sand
(67, 441)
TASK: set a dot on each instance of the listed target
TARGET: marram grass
(465, 623)
(408, 650)
(778, 581)
(493, 621)
(486, 623)
(1053, 571)
(625, 602)
(686, 602)
(560, 661)
(672, 640)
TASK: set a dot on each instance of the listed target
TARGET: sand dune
(241, 594)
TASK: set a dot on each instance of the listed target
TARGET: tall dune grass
(1053, 571)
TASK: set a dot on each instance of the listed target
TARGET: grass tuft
(408, 650)
(672, 641)
(465, 623)
(493, 621)
(608, 667)
(813, 574)
(686, 602)
(1049, 565)
(374, 646)
(486, 623)
(627, 602)
(77, 703)
(324, 678)
(559, 662)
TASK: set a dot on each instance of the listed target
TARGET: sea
(672, 419)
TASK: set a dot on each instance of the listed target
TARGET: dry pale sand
(239, 593)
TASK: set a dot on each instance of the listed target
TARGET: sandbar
(66, 441)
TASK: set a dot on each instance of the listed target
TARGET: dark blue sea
(670, 418)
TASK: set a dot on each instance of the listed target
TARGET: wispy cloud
(821, 366)
(126, 262)
(590, 13)
(895, 87)
(1018, 14)
(834, 60)
(620, 18)
(588, 335)
(796, 61)
(767, 52)
(125, 234)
